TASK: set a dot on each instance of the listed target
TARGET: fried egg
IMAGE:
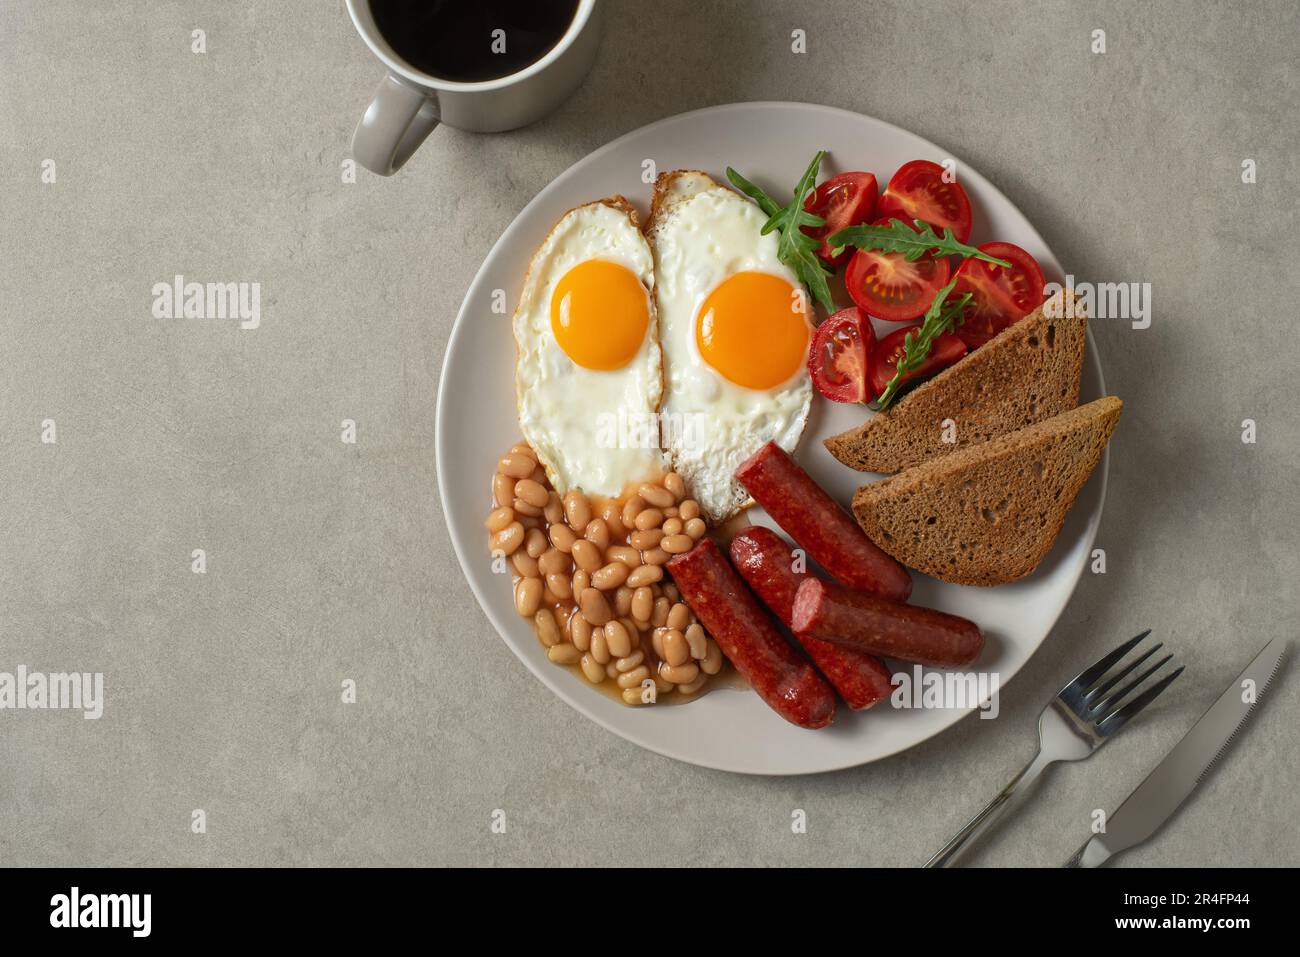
(589, 370)
(735, 325)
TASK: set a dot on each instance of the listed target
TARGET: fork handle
(991, 813)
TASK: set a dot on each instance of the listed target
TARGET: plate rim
(550, 678)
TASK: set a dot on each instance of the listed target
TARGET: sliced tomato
(844, 200)
(1002, 296)
(945, 350)
(917, 191)
(839, 355)
(886, 285)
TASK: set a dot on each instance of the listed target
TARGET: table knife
(1165, 789)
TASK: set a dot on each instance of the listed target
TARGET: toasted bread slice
(989, 513)
(1027, 373)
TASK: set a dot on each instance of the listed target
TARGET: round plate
(730, 728)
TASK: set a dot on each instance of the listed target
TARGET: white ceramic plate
(731, 729)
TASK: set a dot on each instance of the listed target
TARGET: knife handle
(985, 819)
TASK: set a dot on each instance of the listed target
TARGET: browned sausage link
(789, 684)
(766, 562)
(823, 529)
(862, 621)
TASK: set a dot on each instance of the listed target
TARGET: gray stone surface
(329, 561)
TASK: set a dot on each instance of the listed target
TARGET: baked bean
(656, 495)
(643, 603)
(509, 538)
(630, 557)
(554, 510)
(676, 544)
(697, 640)
(555, 562)
(629, 662)
(594, 606)
(524, 564)
(634, 635)
(679, 674)
(695, 528)
(548, 632)
(712, 662)
(562, 537)
(580, 631)
(644, 539)
(563, 654)
(648, 518)
(660, 614)
(549, 598)
(634, 696)
(586, 555)
(559, 585)
(662, 685)
(622, 597)
(591, 669)
(689, 509)
(676, 650)
(581, 581)
(597, 532)
(539, 476)
(532, 493)
(679, 616)
(672, 512)
(599, 646)
(529, 521)
(516, 465)
(671, 591)
(535, 543)
(645, 575)
(499, 518)
(631, 508)
(613, 518)
(675, 484)
(523, 508)
(523, 448)
(633, 678)
(577, 509)
(657, 641)
(610, 576)
(655, 556)
(691, 687)
(617, 640)
(528, 596)
(503, 489)
(565, 618)
(672, 526)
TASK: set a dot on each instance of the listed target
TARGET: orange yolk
(753, 329)
(599, 314)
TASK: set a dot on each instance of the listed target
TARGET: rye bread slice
(989, 513)
(1027, 373)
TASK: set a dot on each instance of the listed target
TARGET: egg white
(572, 416)
(702, 233)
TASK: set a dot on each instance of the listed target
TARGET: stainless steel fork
(1076, 723)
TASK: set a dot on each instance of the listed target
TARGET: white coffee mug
(409, 103)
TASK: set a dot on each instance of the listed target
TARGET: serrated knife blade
(1156, 799)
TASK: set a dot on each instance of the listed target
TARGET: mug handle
(394, 125)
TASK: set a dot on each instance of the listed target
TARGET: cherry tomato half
(844, 200)
(946, 350)
(917, 191)
(839, 355)
(1002, 296)
(886, 285)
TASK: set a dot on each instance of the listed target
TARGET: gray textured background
(329, 561)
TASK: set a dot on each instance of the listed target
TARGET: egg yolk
(753, 329)
(599, 314)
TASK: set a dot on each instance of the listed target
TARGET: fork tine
(1099, 692)
(1114, 722)
(1089, 676)
(1114, 700)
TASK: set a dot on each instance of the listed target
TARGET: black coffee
(467, 41)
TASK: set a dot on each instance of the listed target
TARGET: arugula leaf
(898, 237)
(794, 247)
(940, 318)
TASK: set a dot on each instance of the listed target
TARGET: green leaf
(898, 237)
(794, 247)
(942, 317)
